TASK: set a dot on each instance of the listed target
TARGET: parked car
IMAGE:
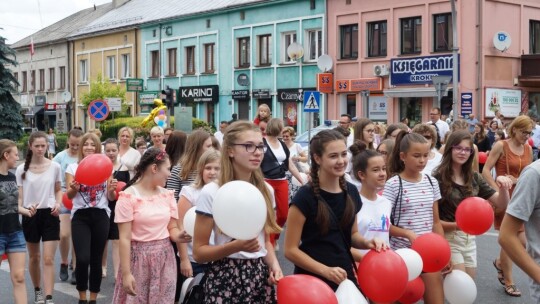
(303, 139)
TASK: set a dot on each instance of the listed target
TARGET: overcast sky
(20, 18)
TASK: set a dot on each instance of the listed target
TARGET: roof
(137, 12)
(63, 28)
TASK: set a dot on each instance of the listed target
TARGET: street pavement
(489, 288)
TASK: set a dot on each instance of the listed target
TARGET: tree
(102, 88)
(11, 120)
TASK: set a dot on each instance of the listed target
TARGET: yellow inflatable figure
(155, 112)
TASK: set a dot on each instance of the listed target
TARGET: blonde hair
(519, 123)
(289, 130)
(257, 179)
(94, 138)
(157, 130)
(267, 118)
(207, 157)
(97, 132)
(129, 130)
(192, 152)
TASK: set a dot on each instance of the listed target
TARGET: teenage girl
(414, 198)
(11, 234)
(208, 169)
(242, 271)
(39, 180)
(321, 226)
(458, 181)
(263, 114)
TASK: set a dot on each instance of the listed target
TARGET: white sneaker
(39, 299)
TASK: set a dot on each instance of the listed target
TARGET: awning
(34, 111)
(412, 92)
(50, 112)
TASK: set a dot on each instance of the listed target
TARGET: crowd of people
(363, 186)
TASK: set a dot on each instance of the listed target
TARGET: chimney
(118, 3)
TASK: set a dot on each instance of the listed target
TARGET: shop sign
(50, 107)
(40, 100)
(292, 95)
(373, 84)
(378, 108)
(261, 93)
(240, 94)
(504, 100)
(147, 97)
(466, 104)
(199, 94)
(325, 82)
(419, 70)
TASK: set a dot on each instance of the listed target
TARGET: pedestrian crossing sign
(312, 100)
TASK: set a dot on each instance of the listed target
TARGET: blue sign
(312, 100)
(98, 110)
(466, 104)
(419, 70)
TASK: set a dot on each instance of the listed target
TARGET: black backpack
(195, 290)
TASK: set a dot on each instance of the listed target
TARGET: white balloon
(459, 288)
(189, 221)
(239, 210)
(298, 183)
(348, 293)
(413, 261)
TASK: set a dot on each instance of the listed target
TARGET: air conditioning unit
(380, 70)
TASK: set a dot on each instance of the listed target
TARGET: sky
(21, 18)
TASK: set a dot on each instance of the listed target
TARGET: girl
(120, 173)
(364, 130)
(298, 156)
(89, 221)
(11, 234)
(128, 155)
(414, 197)
(176, 145)
(146, 214)
(208, 169)
(430, 134)
(242, 271)
(321, 226)
(480, 138)
(39, 180)
(393, 130)
(458, 181)
(53, 144)
(385, 149)
(263, 114)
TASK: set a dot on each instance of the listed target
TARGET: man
(167, 132)
(219, 134)
(345, 122)
(441, 126)
(472, 121)
(524, 208)
(499, 119)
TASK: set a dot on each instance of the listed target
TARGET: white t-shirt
(374, 219)
(204, 206)
(39, 188)
(89, 196)
(442, 126)
(130, 159)
(219, 136)
(64, 159)
(433, 163)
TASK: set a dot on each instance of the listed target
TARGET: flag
(31, 46)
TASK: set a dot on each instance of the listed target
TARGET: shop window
(412, 109)
(290, 114)
(351, 105)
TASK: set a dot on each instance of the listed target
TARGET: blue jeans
(12, 242)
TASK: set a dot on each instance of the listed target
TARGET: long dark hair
(404, 141)
(317, 147)
(480, 136)
(151, 156)
(361, 156)
(359, 131)
(176, 145)
(35, 135)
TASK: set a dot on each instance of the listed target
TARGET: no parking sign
(98, 110)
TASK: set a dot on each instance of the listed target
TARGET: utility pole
(455, 49)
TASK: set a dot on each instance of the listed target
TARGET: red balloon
(474, 215)
(382, 276)
(67, 202)
(301, 288)
(434, 250)
(482, 157)
(414, 291)
(119, 187)
(530, 142)
(4, 257)
(94, 170)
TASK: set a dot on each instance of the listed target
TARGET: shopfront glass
(290, 114)
(411, 107)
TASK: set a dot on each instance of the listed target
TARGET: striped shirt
(175, 183)
(414, 211)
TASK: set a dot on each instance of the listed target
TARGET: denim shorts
(64, 210)
(12, 242)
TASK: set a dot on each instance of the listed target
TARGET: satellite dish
(66, 96)
(325, 63)
(502, 41)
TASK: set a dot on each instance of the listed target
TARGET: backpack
(195, 290)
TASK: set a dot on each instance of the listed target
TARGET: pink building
(392, 48)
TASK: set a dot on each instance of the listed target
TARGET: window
(24, 82)
(377, 39)
(154, 56)
(51, 79)
(83, 76)
(62, 77)
(442, 38)
(209, 58)
(16, 76)
(314, 44)
(190, 60)
(32, 81)
(265, 50)
(243, 52)
(125, 67)
(111, 67)
(41, 80)
(288, 39)
(534, 36)
(349, 41)
(411, 35)
(171, 62)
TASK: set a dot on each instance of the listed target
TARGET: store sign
(147, 97)
(506, 101)
(292, 95)
(419, 70)
(466, 104)
(199, 94)
(50, 107)
(40, 100)
(134, 85)
(61, 121)
(378, 108)
(261, 93)
(325, 82)
(240, 94)
(358, 85)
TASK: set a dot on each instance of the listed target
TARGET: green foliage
(11, 119)
(102, 88)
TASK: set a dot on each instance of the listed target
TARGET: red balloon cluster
(94, 170)
(382, 276)
(474, 215)
(482, 157)
(67, 202)
(301, 288)
(414, 291)
(434, 250)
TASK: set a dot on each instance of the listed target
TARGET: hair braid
(349, 212)
(27, 161)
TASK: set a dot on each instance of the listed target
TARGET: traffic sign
(312, 100)
(98, 110)
(134, 84)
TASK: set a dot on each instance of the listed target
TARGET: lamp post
(295, 51)
(455, 49)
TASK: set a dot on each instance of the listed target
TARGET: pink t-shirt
(149, 216)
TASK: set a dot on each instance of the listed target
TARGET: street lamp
(295, 51)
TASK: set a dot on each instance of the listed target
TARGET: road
(489, 289)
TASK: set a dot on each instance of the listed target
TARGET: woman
(235, 262)
(146, 214)
(53, 144)
(128, 155)
(364, 130)
(89, 221)
(39, 180)
(393, 130)
(385, 149)
(457, 125)
(297, 155)
(176, 145)
(480, 138)
(11, 233)
(156, 136)
(429, 133)
(509, 157)
(492, 130)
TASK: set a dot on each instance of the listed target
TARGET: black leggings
(89, 231)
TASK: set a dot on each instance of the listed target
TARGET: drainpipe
(455, 50)
(479, 57)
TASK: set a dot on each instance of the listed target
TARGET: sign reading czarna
(419, 70)
(208, 93)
